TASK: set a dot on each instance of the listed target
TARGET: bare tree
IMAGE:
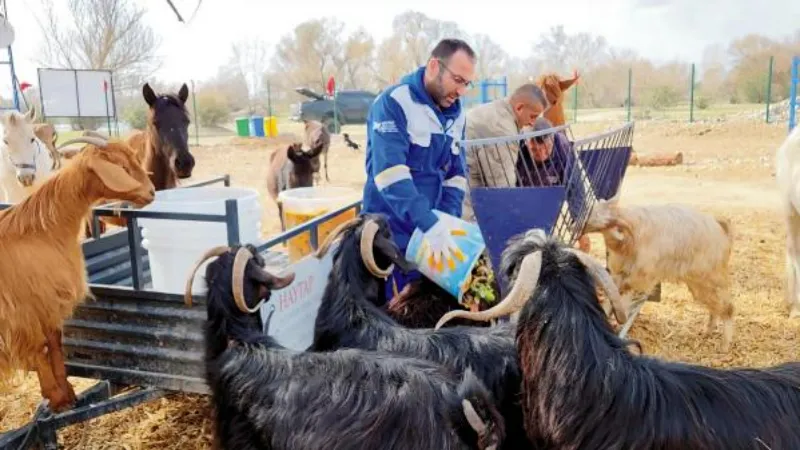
(310, 54)
(251, 58)
(99, 34)
(492, 60)
(357, 59)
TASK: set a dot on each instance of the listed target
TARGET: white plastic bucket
(471, 245)
(175, 245)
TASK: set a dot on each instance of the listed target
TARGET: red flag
(331, 85)
(24, 85)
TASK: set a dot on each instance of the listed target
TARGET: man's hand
(439, 246)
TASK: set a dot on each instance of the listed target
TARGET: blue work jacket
(414, 162)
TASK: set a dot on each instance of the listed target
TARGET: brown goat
(318, 136)
(554, 88)
(40, 292)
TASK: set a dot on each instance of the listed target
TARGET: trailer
(141, 344)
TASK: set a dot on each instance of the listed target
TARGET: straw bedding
(727, 170)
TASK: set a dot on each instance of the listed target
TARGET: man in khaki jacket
(494, 166)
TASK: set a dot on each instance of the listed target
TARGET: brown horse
(554, 88)
(163, 147)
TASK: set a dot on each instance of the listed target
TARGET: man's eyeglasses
(457, 78)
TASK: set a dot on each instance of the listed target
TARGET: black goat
(582, 387)
(268, 397)
(349, 142)
(349, 317)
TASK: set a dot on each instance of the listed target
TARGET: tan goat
(43, 271)
(654, 243)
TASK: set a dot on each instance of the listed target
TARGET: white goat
(654, 243)
(24, 158)
(787, 165)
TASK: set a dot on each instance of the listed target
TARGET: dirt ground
(728, 170)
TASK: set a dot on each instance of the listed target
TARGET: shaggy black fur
(422, 303)
(350, 318)
(268, 397)
(584, 390)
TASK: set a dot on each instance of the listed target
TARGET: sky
(661, 30)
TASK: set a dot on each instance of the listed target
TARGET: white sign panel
(291, 312)
(76, 93)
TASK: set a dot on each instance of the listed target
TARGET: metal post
(575, 105)
(13, 77)
(108, 112)
(691, 97)
(196, 119)
(793, 92)
(769, 85)
(232, 221)
(335, 113)
(630, 83)
(135, 246)
(269, 99)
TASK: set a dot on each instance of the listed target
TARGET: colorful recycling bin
(243, 126)
(271, 126)
(257, 123)
(456, 282)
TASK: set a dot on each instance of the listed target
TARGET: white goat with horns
(787, 164)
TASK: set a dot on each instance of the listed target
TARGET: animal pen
(139, 343)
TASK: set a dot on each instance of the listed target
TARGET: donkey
(163, 148)
(291, 168)
(318, 139)
(24, 158)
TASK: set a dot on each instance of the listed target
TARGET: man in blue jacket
(414, 163)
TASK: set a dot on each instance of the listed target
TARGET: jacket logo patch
(387, 126)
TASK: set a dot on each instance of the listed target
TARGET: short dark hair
(447, 47)
(531, 91)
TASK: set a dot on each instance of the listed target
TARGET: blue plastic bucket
(258, 126)
(471, 245)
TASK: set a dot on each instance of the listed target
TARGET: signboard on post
(77, 93)
(290, 314)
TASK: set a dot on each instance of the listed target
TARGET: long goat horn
(525, 285)
(368, 233)
(473, 418)
(333, 235)
(212, 252)
(101, 143)
(239, 267)
(601, 277)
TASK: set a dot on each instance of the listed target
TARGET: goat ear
(390, 250)
(30, 116)
(113, 176)
(269, 280)
(149, 95)
(183, 93)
